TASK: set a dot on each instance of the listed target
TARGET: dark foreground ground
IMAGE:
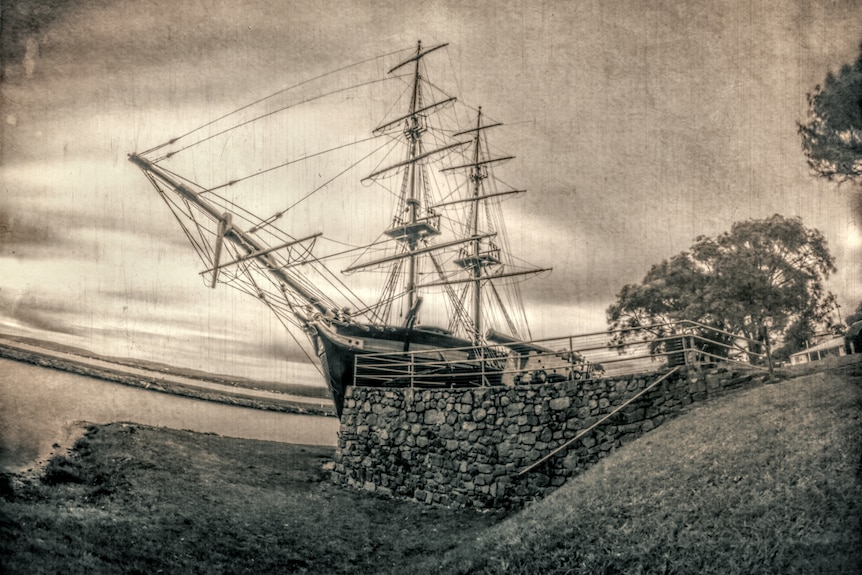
(766, 481)
(133, 499)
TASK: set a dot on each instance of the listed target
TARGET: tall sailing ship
(444, 253)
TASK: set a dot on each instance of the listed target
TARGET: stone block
(538, 480)
(632, 414)
(469, 426)
(504, 449)
(560, 403)
(570, 461)
(514, 409)
(434, 417)
(696, 386)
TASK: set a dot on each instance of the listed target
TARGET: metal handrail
(425, 367)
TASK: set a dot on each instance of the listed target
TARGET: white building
(829, 348)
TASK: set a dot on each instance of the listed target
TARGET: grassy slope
(767, 481)
(135, 499)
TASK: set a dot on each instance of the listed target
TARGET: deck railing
(574, 357)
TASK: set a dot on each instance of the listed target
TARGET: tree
(832, 135)
(757, 281)
(855, 316)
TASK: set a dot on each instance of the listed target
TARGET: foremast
(411, 232)
(415, 223)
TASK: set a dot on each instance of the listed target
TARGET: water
(40, 407)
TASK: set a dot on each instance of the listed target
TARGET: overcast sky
(637, 126)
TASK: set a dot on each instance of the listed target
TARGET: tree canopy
(832, 135)
(763, 277)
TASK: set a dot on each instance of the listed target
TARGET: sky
(637, 127)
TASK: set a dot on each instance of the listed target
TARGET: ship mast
(476, 176)
(475, 261)
(417, 227)
(414, 134)
(477, 258)
(416, 222)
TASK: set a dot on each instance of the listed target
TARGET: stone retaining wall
(465, 447)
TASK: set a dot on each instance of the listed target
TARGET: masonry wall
(465, 447)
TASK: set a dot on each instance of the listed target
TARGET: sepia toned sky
(637, 127)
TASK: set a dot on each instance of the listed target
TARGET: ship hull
(437, 359)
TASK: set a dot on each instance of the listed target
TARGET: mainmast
(478, 257)
(478, 263)
(475, 261)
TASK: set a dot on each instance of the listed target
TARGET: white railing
(574, 357)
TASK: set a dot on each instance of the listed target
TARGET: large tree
(760, 279)
(855, 316)
(832, 134)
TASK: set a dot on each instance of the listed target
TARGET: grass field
(767, 481)
(763, 481)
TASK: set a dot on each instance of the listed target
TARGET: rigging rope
(273, 95)
(266, 115)
(275, 217)
(287, 163)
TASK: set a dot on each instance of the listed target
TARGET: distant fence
(508, 361)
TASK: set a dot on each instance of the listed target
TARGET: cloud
(34, 313)
(636, 128)
(17, 232)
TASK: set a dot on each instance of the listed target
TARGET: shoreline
(165, 382)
